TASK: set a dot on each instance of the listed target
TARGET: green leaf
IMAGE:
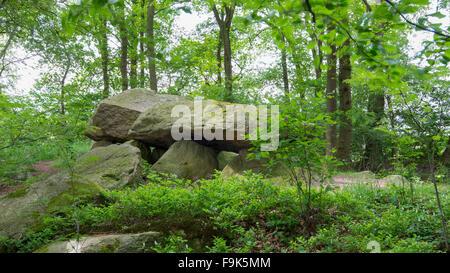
(316, 61)
(326, 49)
(447, 53)
(311, 45)
(437, 15)
(436, 138)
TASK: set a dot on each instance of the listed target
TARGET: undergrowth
(249, 214)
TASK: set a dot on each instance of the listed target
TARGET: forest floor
(40, 169)
(44, 168)
(342, 180)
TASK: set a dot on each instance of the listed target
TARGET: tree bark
(345, 105)
(104, 52)
(318, 69)
(373, 155)
(124, 52)
(331, 99)
(151, 45)
(219, 59)
(133, 47)
(142, 48)
(374, 148)
(63, 85)
(445, 158)
(224, 20)
(284, 66)
(431, 148)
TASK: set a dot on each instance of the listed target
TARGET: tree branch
(414, 24)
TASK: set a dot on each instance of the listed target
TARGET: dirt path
(42, 167)
(345, 180)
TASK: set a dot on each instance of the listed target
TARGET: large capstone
(220, 125)
(187, 159)
(114, 116)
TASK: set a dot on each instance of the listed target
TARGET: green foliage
(301, 148)
(212, 211)
(79, 54)
(172, 244)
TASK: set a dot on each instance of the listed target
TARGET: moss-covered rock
(101, 143)
(239, 164)
(396, 180)
(154, 126)
(187, 159)
(117, 243)
(103, 168)
(111, 167)
(224, 157)
(115, 115)
(146, 151)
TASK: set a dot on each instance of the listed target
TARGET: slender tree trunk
(374, 148)
(134, 50)
(295, 62)
(445, 158)
(124, 52)
(219, 59)
(3, 53)
(345, 105)
(227, 64)
(284, 66)
(224, 20)
(392, 123)
(431, 148)
(63, 86)
(318, 69)
(373, 156)
(151, 45)
(331, 99)
(104, 52)
(142, 48)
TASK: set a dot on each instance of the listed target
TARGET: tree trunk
(345, 105)
(227, 64)
(142, 48)
(219, 59)
(104, 52)
(63, 85)
(3, 52)
(151, 45)
(124, 52)
(373, 155)
(284, 66)
(431, 148)
(374, 148)
(134, 50)
(445, 158)
(331, 99)
(224, 21)
(318, 69)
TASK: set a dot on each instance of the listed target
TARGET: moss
(17, 193)
(43, 249)
(109, 248)
(65, 199)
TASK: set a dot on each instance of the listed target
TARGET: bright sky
(29, 70)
